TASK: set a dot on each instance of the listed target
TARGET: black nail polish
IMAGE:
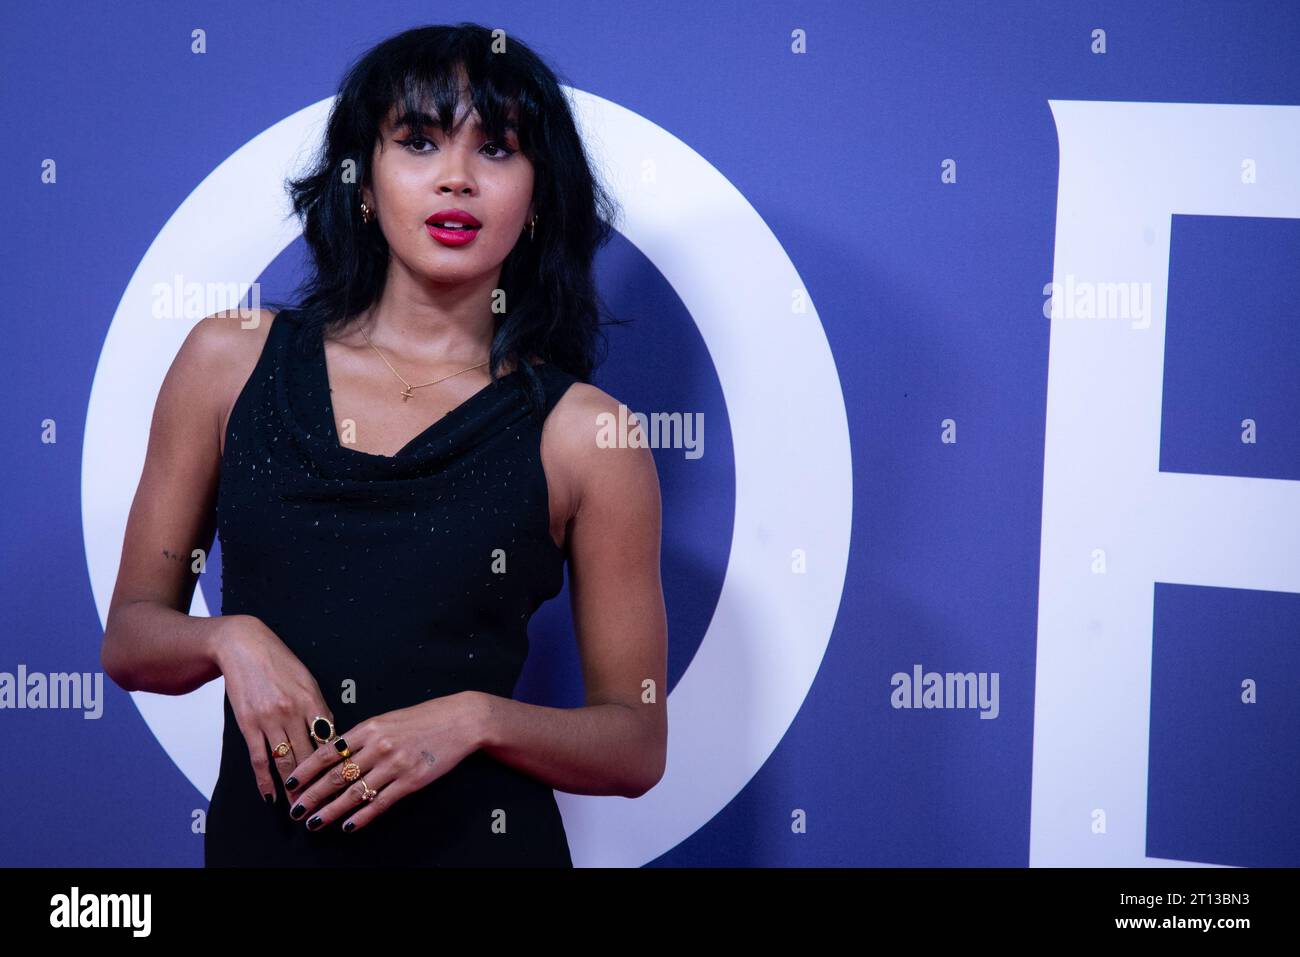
(348, 826)
(291, 783)
(270, 798)
(297, 812)
(313, 824)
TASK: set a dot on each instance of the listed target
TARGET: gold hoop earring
(366, 213)
(532, 229)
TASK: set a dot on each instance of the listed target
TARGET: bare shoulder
(576, 420)
(220, 353)
(593, 432)
(224, 339)
(227, 336)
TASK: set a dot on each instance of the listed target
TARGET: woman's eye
(503, 151)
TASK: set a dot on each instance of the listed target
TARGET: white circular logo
(789, 552)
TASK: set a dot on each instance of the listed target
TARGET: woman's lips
(452, 237)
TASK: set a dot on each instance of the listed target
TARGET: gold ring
(281, 749)
(351, 771)
(341, 746)
(367, 792)
(322, 729)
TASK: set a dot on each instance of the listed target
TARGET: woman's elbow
(110, 660)
(652, 776)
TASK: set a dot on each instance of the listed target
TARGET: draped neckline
(321, 380)
(306, 414)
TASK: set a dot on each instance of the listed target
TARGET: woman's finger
(312, 764)
(302, 750)
(351, 804)
(282, 754)
(260, 756)
(328, 782)
(388, 791)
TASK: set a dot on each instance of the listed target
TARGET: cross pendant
(406, 393)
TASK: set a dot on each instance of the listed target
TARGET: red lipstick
(461, 234)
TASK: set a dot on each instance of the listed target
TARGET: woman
(398, 468)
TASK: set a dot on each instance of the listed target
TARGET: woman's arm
(617, 743)
(150, 643)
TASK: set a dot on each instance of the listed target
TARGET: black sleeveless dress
(385, 574)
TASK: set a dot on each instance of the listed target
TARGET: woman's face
(418, 173)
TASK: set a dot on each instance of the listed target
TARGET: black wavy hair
(553, 307)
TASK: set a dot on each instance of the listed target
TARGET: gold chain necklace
(407, 392)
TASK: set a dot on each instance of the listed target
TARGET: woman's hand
(272, 694)
(395, 753)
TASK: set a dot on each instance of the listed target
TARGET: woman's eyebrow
(418, 119)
